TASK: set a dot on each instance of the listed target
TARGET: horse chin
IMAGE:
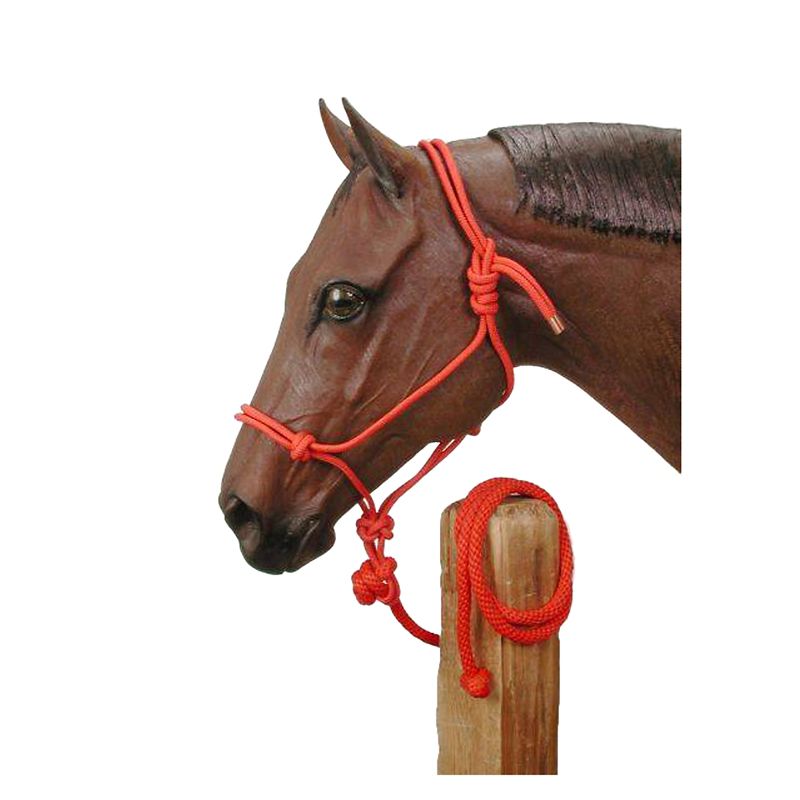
(278, 552)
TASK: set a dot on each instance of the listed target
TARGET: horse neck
(619, 295)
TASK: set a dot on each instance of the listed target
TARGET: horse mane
(610, 178)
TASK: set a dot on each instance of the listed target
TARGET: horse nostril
(244, 522)
(229, 503)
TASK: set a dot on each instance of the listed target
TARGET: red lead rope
(521, 626)
(375, 579)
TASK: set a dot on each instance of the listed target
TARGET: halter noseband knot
(375, 580)
(300, 446)
(373, 525)
(482, 278)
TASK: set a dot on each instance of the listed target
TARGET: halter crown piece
(375, 579)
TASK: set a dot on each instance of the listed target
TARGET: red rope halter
(375, 579)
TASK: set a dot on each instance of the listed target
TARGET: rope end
(556, 324)
(477, 682)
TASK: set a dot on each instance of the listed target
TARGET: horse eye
(342, 301)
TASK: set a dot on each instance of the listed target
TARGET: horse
(378, 304)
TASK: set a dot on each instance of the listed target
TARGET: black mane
(623, 179)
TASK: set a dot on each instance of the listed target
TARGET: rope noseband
(375, 579)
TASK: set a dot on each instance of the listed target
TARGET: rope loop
(522, 626)
(300, 446)
(375, 580)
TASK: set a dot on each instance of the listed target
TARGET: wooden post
(514, 731)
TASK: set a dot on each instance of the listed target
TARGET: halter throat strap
(375, 579)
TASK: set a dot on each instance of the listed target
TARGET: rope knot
(375, 580)
(300, 446)
(372, 526)
(482, 278)
(477, 682)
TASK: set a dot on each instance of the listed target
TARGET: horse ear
(389, 161)
(340, 136)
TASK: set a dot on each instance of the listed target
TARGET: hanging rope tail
(376, 580)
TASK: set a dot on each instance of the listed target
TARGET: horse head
(375, 306)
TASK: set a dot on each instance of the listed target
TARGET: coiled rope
(523, 626)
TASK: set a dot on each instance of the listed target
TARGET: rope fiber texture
(375, 579)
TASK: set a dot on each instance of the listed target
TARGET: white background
(162, 166)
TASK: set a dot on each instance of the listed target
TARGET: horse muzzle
(276, 545)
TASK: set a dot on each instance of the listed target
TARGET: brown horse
(379, 303)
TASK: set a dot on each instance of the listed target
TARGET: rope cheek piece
(375, 579)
